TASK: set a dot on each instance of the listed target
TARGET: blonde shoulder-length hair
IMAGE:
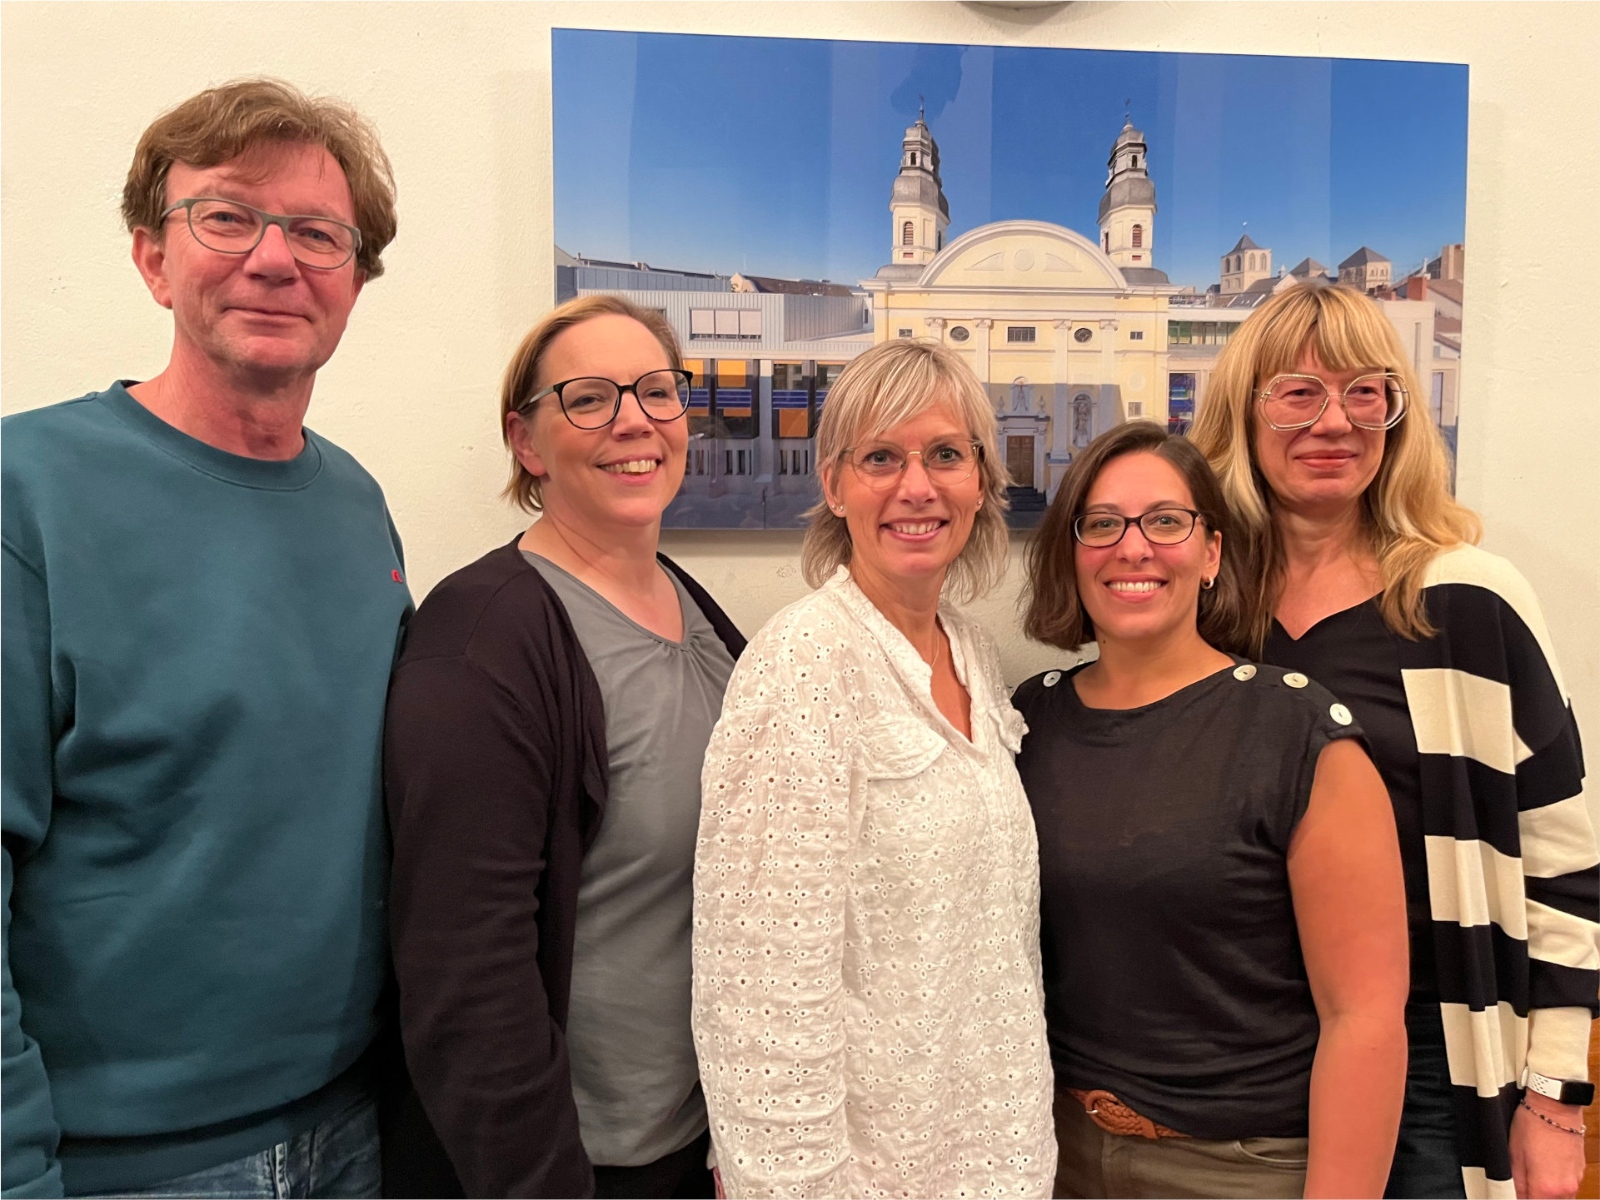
(891, 383)
(1408, 511)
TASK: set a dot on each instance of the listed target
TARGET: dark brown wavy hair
(1054, 611)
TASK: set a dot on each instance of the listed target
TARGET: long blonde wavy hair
(1407, 511)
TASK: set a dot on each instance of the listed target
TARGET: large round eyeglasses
(592, 402)
(1160, 526)
(881, 464)
(1294, 401)
(229, 227)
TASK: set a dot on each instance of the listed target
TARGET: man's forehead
(295, 164)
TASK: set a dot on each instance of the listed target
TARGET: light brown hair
(521, 380)
(1407, 510)
(881, 388)
(233, 119)
(1054, 610)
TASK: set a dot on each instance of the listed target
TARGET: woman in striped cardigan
(1370, 582)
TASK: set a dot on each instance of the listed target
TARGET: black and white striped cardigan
(1510, 849)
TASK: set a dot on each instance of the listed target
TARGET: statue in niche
(1019, 395)
(1082, 420)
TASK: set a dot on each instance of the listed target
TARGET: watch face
(1579, 1092)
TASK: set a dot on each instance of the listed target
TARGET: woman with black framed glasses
(547, 724)
(1222, 908)
(1365, 575)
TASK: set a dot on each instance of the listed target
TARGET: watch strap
(1563, 1091)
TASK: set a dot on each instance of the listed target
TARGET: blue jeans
(1426, 1160)
(338, 1157)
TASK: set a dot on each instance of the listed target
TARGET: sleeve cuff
(1558, 1042)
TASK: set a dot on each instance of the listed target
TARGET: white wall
(460, 93)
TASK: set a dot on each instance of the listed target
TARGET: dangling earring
(1208, 584)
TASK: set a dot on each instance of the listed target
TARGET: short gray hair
(892, 383)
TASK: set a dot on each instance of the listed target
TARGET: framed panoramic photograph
(1087, 228)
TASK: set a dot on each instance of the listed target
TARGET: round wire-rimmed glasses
(229, 227)
(593, 402)
(1165, 526)
(1295, 401)
(946, 463)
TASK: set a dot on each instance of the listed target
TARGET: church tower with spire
(1128, 209)
(919, 210)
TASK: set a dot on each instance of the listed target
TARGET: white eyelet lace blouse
(868, 1007)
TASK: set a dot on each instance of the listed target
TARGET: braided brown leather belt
(1115, 1117)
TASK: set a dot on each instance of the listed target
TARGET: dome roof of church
(1128, 134)
(919, 187)
(1128, 189)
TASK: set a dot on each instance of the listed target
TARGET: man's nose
(272, 255)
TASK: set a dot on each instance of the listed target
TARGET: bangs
(902, 405)
(1349, 341)
(1346, 332)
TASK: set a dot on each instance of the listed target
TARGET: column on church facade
(981, 328)
(1058, 453)
(936, 329)
(1060, 395)
(1110, 407)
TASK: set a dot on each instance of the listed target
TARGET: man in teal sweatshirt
(202, 600)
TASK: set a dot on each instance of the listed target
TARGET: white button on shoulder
(1296, 680)
(1340, 714)
(1052, 678)
(1244, 671)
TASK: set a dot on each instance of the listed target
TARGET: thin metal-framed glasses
(881, 464)
(229, 227)
(591, 402)
(1295, 401)
(1165, 526)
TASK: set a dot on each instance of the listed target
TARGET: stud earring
(980, 502)
(839, 508)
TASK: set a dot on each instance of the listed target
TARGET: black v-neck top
(1356, 656)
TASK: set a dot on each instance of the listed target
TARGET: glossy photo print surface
(1087, 228)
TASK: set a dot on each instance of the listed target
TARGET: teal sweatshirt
(196, 651)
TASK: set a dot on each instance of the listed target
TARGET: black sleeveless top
(1172, 967)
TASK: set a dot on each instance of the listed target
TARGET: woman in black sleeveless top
(1223, 911)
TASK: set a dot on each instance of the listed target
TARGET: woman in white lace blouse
(867, 997)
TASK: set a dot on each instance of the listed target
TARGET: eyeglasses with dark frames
(229, 227)
(592, 402)
(1296, 401)
(1165, 526)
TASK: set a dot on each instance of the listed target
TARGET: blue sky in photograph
(775, 156)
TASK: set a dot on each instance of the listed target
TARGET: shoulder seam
(35, 569)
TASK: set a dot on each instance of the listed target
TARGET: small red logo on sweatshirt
(396, 576)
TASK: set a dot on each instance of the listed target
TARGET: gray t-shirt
(634, 1073)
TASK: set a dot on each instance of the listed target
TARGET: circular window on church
(1082, 333)
(959, 333)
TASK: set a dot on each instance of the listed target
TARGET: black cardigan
(495, 776)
